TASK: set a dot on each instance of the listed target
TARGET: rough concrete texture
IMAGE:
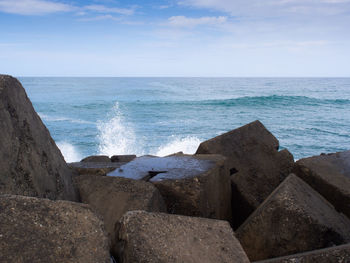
(94, 168)
(31, 164)
(338, 254)
(207, 194)
(256, 166)
(123, 158)
(293, 219)
(164, 238)
(330, 176)
(190, 185)
(157, 168)
(111, 197)
(41, 230)
(97, 159)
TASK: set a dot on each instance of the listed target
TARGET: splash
(186, 145)
(69, 152)
(116, 136)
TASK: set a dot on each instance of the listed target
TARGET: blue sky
(234, 38)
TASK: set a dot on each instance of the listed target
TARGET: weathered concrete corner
(337, 254)
(196, 185)
(123, 158)
(31, 164)
(41, 230)
(94, 168)
(111, 197)
(164, 238)
(293, 219)
(330, 176)
(256, 166)
(96, 159)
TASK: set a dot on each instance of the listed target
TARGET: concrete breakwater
(238, 199)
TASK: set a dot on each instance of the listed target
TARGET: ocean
(160, 116)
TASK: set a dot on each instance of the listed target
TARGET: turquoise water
(159, 116)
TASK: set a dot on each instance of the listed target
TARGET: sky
(173, 38)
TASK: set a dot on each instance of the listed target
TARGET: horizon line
(138, 76)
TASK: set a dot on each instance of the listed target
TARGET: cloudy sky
(237, 38)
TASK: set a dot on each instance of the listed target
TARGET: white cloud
(11, 44)
(104, 9)
(81, 13)
(164, 6)
(41, 7)
(33, 7)
(100, 18)
(336, 1)
(183, 21)
(278, 44)
(268, 8)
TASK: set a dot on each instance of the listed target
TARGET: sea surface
(160, 116)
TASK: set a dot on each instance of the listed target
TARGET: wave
(345, 135)
(92, 106)
(116, 136)
(272, 100)
(69, 152)
(186, 145)
(276, 100)
(48, 118)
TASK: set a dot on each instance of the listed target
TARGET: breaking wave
(186, 145)
(69, 152)
(116, 136)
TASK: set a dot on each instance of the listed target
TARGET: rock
(190, 185)
(339, 254)
(97, 159)
(176, 154)
(255, 165)
(293, 219)
(31, 164)
(41, 230)
(163, 238)
(123, 158)
(111, 197)
(330, 176)
(94, 168)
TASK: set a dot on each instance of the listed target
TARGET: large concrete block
(164, 238)
(96, 159)
(31, 164)
(256, 166)
(293, 219)
(190, 185)
(111, 197)
(338, 254)
(94, 168)
(330, 176)
(41, 230)
(123, 158)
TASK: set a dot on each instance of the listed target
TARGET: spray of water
(186, 145)
(116, 136)
(69, 152)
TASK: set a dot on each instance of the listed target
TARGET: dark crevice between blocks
(152, 174)
(233, 171)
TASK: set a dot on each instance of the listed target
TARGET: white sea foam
(116, 136)
(186, 145)
(69, 152)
